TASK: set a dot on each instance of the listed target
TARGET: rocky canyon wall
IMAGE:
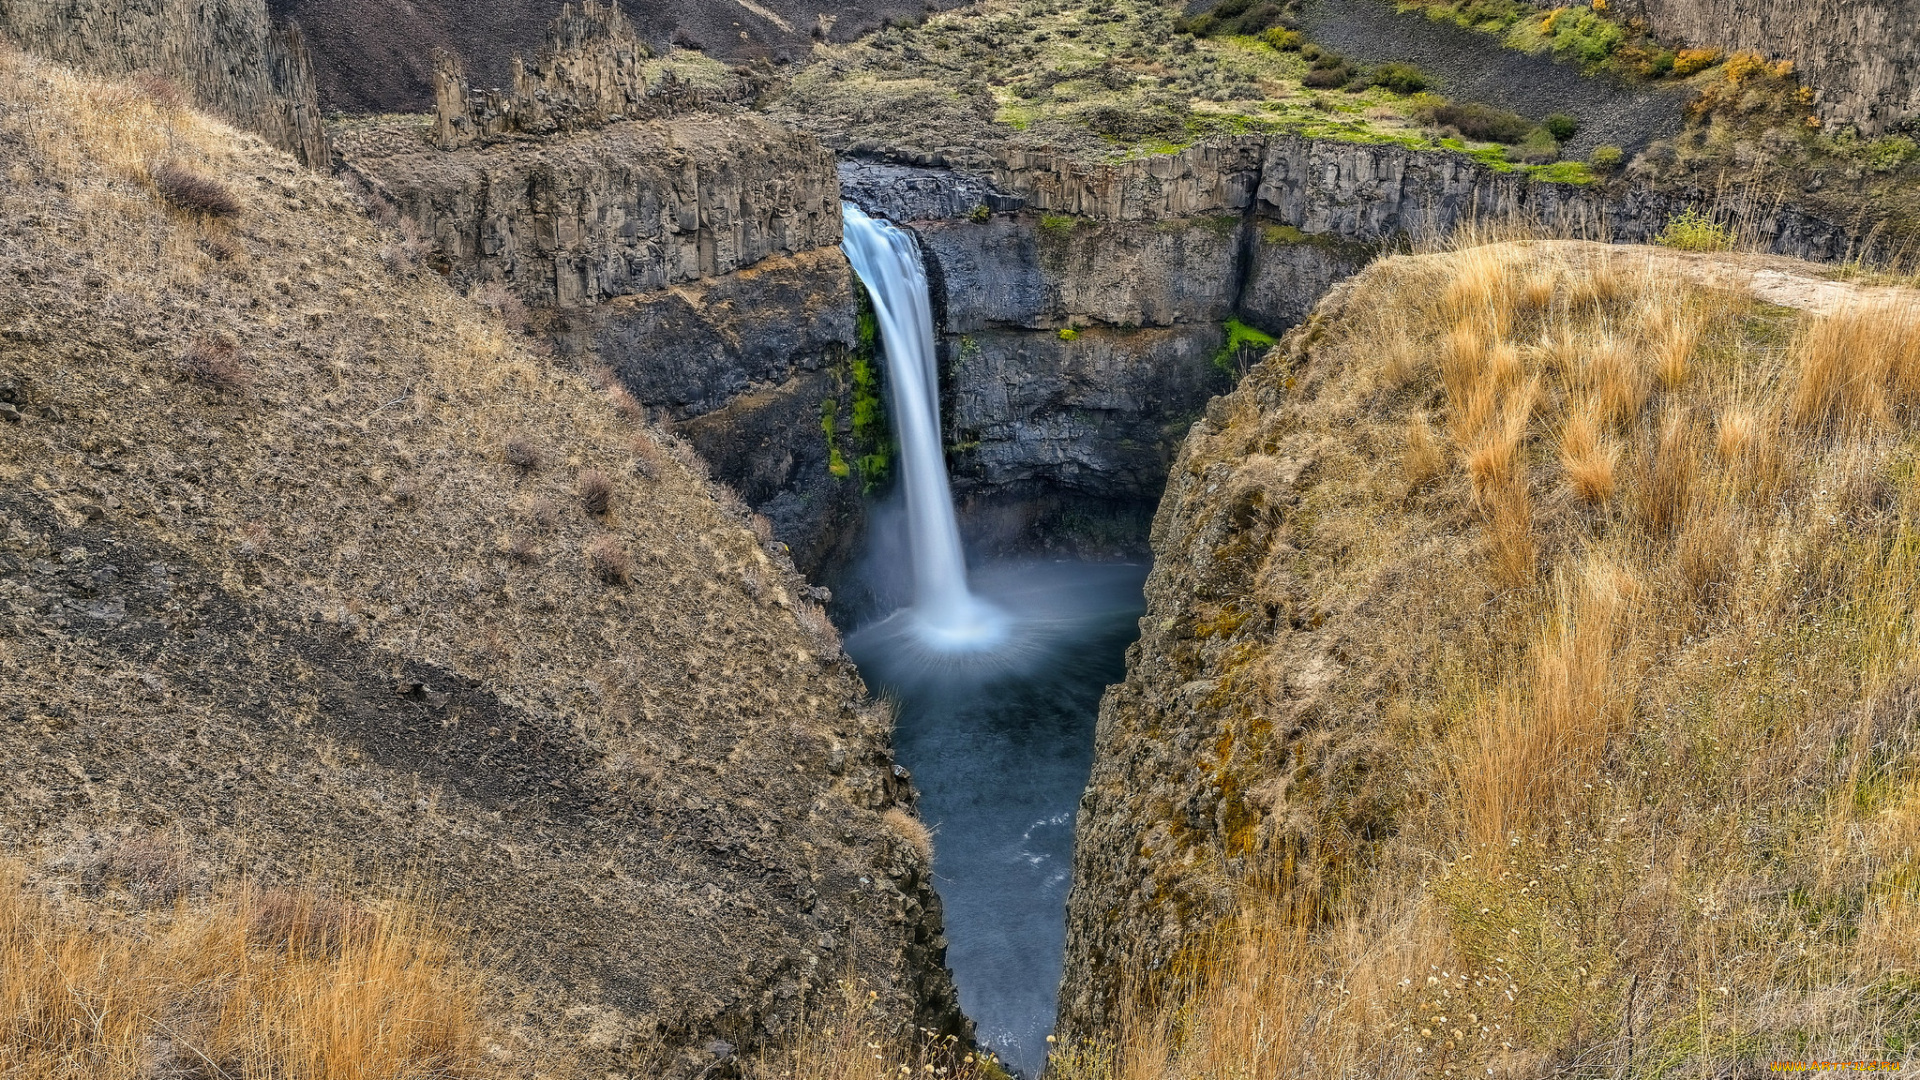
(1862, 57)
(1083, 307)
(226, 55)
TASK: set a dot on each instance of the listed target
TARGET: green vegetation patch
(1243, 346)
(1691, 230)
(1101, 80)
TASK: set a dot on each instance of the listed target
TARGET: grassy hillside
(1126, 78)
(314, 573)
(1530, 685)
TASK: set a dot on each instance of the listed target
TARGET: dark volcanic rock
(903, 193)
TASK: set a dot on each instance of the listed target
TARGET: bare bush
(596, 492)
(495, 297)
(408, 249)
(610, 562)
(164, 91)
(305, 922)
(524, 454)
(191, 191)
(215, 362)
(650, 459)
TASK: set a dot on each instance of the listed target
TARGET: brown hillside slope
(373, 56)
(309, 568)
(1530, 685)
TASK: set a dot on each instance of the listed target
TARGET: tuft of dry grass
(1423, 460)
(254, 983)
(610, 562)
(912, 830)
(181, 186)
(845, 1038)
(1666, 492)
(1859, 364)
(215, 361)
(595, 489)
(1588, 456)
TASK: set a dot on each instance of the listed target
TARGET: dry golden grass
(1588, 456)
(1859, 364)
(1653, 808)
(912, 830)
(256, 984)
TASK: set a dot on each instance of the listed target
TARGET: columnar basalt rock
(578, 218)
(1861, 57)
(227, 55)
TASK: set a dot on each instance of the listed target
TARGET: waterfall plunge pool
(997, 683)
(999, 744)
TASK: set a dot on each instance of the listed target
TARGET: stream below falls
(999, 745)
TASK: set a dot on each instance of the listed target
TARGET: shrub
(1400, 78)
(1484, 122)
(1233, 17)
(1607, 158)
(596, 492)
(1164, 117)
(190, 191)
(1068, 333)
(980, 214)
(521, 549)
(610, 562)
(523, 454)
(1691, 230)
(1327, 78)
(215, 362)
(625, 403)
(163, 91)
(1282, 39)
(649, 457)
(1561, 126)
(500, 300)
(1538, 148)
(1690, 61)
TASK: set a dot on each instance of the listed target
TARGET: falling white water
(946, 615)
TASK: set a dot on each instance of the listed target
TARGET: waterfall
(948, 616)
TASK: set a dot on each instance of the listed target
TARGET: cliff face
(1862, 57)
(577, 218)
(697, 256)
(227, 55)
(297, 577)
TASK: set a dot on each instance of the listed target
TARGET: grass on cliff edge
(1612, 577)
(253, 983)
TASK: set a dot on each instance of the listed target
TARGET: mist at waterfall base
(997, 685)
(999, 743)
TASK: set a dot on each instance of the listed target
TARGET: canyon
(620, 256)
